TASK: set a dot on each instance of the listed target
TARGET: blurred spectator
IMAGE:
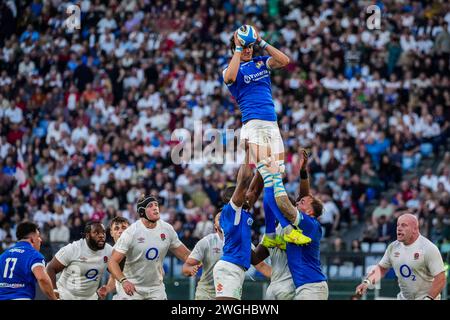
(370, 232)
(60, 233)
(338, 247)
(203, 227)
(383, 209)
(330, 216)
(386, 230)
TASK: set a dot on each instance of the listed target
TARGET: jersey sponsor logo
(105, 259)
(416, 256)
(141, 239)
(249, 221)
(92, 274)
(163, 236)
(17, 250)
(219, 287)
(216, 250)
(406, 272)
(256, 76)
(152, 254)
(11, 285)
(83, 259)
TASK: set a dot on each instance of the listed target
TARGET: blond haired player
(145, 244)
(417, 263)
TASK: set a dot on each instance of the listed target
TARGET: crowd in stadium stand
(90, 113)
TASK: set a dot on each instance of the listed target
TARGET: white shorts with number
(281, 290)
(312, 291)
(228, 280)
(263, 133)
(154, 293)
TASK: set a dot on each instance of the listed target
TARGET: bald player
(417, 263)
(82, 264)
(145, 244)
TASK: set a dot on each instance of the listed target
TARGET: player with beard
(82, 264)
(145, 244)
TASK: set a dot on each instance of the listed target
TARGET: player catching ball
(248, 79)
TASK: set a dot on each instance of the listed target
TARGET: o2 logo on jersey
(249, 221)
(92, 274)
(152, 254)
(406, 272)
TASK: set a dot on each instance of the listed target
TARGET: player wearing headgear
(417, 263)
(116, 227)
(248, 79)
(22, 265)
(303, 261)
(205, 255)
(82, 264)
(145, 244)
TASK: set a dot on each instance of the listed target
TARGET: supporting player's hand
(128, 287)
(361, 289)
(303, 158)
(272, 165)
(102, 292)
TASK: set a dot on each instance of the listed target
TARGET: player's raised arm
(231, 72)
(278, 58)
(244, 178)
(44, 281)
(304, 177)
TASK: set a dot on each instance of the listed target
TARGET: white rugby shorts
(281, 290)
(263, 133)
(312, 291)
(228, 279)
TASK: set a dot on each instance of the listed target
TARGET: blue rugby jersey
(304, 261)
(252, 90)
(236, 224)
(17, 280)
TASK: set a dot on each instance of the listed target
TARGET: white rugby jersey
(415, 265)
(208, 250)
(279, 263)
(84, 270)
(145, 250)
